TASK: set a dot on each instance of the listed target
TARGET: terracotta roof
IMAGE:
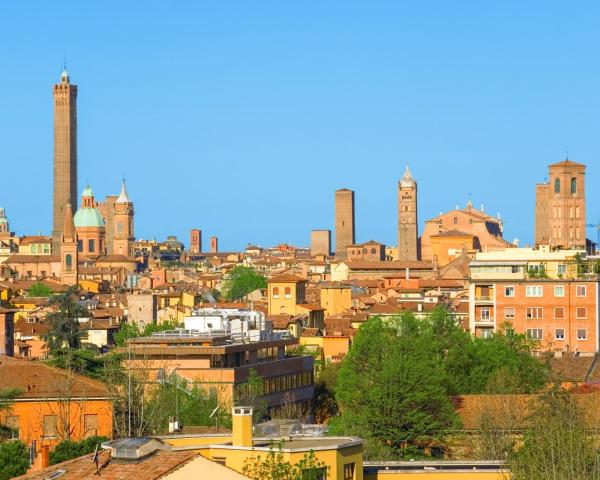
(37, 301)
(149, 468)
(310, 306)
(28, 240)
(38, 381)
(567, 163)
(33, 259)
(281, 321)
(286, 279)
(311, 332)
(381, 265)
(37, 329)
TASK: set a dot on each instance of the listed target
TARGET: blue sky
(242, 118)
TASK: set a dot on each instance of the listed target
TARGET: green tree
(241, 281)
(255, 391)
(14, 459)
(324, 405)
(82, 361)
(39, 289)
(131, 330)
(275, 467)
(391, 388)
(68, 449)
(558, 443)
(63, 321)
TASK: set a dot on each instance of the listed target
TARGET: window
(534, 291)
(559, 313)
(535, 333)
(509, 312)
(534, 312)
(581, 334)
(288, 292)
(68, 261)
(581, 312)
(486, 332)
(557, 185)
(562, 269)
(455, 220)
(91, 245)
(33, 249)
(275, 292)
(515, 269)
(581, 291)
(573, 186)
(509, 291)
(50, 425)
(90, 423)
(559, 334)
(485, 314)
(373, 251)
(349, 471)
(559, 291)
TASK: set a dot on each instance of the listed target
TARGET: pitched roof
(28, 240)
(453, 233)
(286, 279)
(38, 381)
(381, 265)
(33, 259)
(149, 468)
(567, 163)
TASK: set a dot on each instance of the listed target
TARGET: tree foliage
(131, 330)
(14, 459)
(68, 449)
(395, 385)
(63, 321)
(82, 361)
(274, 466)
(241, 281)
(558, 443)
(39, 289)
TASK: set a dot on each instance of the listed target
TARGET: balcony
(484, 299)
(484, 321)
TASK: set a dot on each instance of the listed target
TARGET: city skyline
(279, 146)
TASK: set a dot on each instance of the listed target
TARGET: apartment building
(538, 293)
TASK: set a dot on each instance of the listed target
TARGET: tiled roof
(149, 468)
(380, 265)
(33, 259)
(286, 278)
(453, 233)
(38, 381)
(28, 240)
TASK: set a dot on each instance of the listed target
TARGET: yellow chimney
(242, 427)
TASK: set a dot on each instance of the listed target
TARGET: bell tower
(68, 249)
(407, 218)
(65, 154)
(123, 224)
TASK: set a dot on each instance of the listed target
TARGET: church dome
(88, 217)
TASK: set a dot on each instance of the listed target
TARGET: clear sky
(242, 117)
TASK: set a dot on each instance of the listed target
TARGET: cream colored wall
(201, 468)
(422, 475)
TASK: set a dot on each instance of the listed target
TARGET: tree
(558, 443)
(131, 330)
(275, 467)
(82, 361)
(391, 388)
(241, 281)
(39, 289)
(63, 321)
(68, 449)
(14, 459)
(255, 391)
(324, 405)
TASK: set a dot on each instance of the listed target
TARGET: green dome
(88, 217)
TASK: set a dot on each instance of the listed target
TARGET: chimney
(242, 427)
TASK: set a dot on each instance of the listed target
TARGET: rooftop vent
(132, 449)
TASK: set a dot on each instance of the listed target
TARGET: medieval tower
(344, 221)
(65, 154)
(407, 218)
(68, 249)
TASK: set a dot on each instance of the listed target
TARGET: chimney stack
(242, 426)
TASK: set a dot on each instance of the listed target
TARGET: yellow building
(341, 455)
(335, 297)
(286, 292)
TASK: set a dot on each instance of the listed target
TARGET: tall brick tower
(407, 218)
(65, 154)
(195, 241)
(560, 207)
(344, 221)
(123, 224)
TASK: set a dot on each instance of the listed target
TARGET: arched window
(556, 185)
(373, 251)
(288, 292)
(68, 261)
(573, 186)
(275, 292)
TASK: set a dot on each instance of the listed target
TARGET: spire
(123, 198)
(69, 227)
(407, 180)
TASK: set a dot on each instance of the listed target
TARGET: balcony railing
(484, 298)
(484, 320)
